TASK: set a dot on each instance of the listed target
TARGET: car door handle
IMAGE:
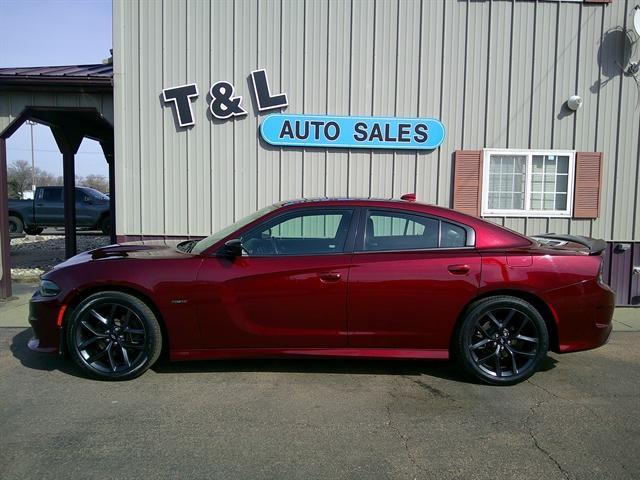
(39, 204)
(459, 269)
(329, 277)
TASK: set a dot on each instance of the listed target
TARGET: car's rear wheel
(113, 336)
(105, 225)
(15, 224)
(501, 340)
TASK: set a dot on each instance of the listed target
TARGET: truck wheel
(15, 224)
(105, 225)
(33, 230)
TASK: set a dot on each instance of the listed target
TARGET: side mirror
(233, 248)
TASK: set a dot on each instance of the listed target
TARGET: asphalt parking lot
(578, 418)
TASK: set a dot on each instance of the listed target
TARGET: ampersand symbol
(223, 103)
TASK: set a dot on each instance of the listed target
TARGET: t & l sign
(321, 131)
(224, 103)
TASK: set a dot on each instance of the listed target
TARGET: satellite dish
(636, 20)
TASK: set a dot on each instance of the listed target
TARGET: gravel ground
(33, 255)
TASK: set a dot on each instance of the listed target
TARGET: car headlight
(48, 288)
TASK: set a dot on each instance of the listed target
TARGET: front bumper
(43, 314)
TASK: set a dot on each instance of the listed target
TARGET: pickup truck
(47, 210)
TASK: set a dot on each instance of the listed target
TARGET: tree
(98, 182)
(19, 178)
(46, 179)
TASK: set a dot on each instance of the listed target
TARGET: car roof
(488, 235)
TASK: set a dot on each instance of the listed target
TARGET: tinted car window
(52, 194)
(387, 230)
(81, 196)
(399, 231)
(311, 232)
(452, 236)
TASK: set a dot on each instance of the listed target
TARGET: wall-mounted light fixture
(574, 102)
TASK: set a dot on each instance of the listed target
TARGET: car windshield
(205, 243)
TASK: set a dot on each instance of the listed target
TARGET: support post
(5, 259)
(107, 149)
(68, 141)
(69, 196)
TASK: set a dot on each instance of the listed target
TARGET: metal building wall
(495, 72)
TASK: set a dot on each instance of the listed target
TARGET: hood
(146, 249)
(149, 249)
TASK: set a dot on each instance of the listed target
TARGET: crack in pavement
(404, 438)
(625, 324)
(560, 397)
(536, 443)
(573, 402)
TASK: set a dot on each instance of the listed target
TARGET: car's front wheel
(113, 336)
(501, 340)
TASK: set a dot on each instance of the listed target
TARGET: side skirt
(229, 353)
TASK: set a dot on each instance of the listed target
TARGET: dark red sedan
(331, 278)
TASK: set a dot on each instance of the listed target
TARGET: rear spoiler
(595, 245)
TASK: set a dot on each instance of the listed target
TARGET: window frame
(364, 216)
(292, 213)
(485, 211)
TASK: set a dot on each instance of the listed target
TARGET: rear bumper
(584, 314)
(43, 313)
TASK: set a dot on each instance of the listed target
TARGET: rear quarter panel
(566, 283)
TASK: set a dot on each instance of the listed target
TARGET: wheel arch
(537, 302)
(79, 296)
(15, 213)
(103, 215)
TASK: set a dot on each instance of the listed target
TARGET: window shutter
(586, 197)
(467, 181)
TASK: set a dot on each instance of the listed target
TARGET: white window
(528, 183)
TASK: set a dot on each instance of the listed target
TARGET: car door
(85, 209)
(49, 206)
(410, 277)
(290, 288)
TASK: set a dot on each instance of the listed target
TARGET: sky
(54, 32)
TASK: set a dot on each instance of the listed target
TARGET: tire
(113, 336)
(15, 224)
(501, 340)
(105, 225)
(33, 230)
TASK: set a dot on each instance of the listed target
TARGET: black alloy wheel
(113, 336)
(502, 340)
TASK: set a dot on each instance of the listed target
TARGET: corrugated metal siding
(495, 72)
(617, 272)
